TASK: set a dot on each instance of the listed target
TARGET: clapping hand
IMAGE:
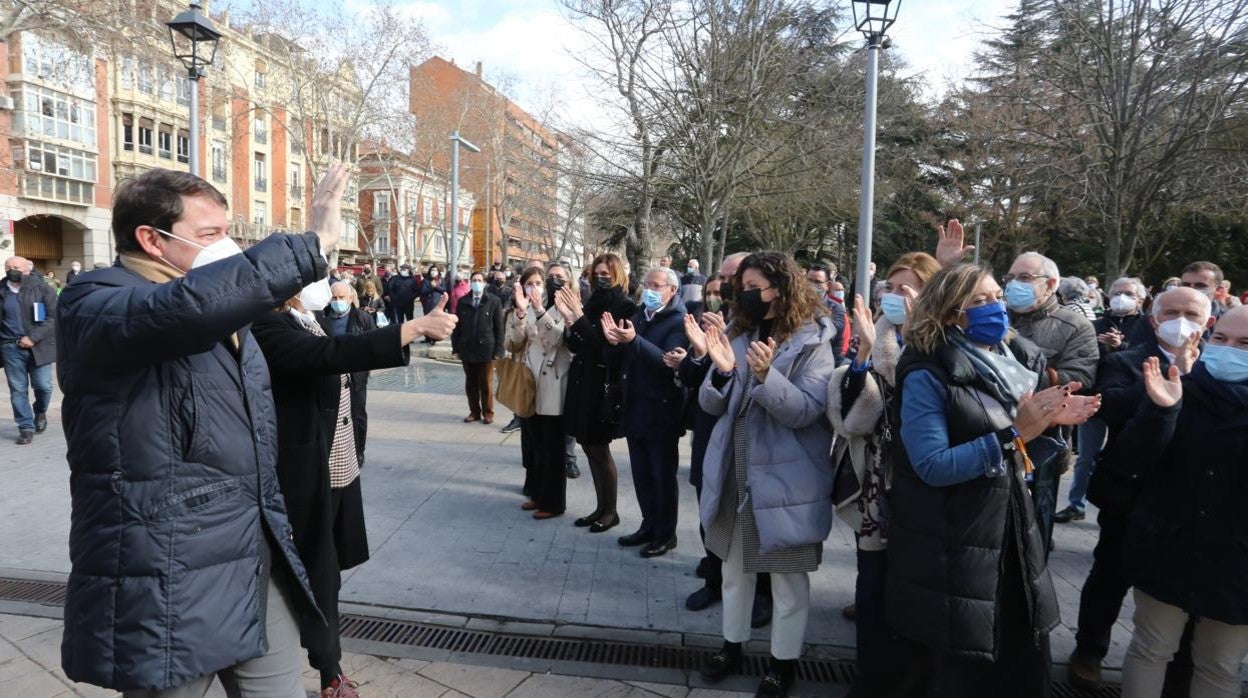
(570, 306)
(1187, 356)
(1111, 339)
(1163, 391)
(1056, 406)
(673, 358)
(520, 300)
(949, 247)
(720, 351)
(697, 338)
(758, 357)
(864, 328)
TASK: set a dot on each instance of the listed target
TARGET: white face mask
(315, 296)
(1175, 332)
(1122, 304)
(221, 249)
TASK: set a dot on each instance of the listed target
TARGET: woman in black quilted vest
(966, 582)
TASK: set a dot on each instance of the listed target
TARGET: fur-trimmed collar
(886, 352)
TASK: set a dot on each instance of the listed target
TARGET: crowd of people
(215, 415)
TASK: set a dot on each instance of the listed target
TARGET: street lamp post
(456, 141)
(194, 40)
(872, 18)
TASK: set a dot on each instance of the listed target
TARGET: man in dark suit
(1115, 485)
(478, 341)
(653, 403)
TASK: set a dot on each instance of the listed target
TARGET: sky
(527, 47)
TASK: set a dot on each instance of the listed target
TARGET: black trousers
(549, 483)
(402, 313)
(349, 548)
(654, 463)
(527, 457)
(1100, 603)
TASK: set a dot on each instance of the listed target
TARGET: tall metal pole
(866, 204)
(489, 222)
(452, 267)
(977, 226)
(194, 133)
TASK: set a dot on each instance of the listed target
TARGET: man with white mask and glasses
(183, 566)
(1179, 318)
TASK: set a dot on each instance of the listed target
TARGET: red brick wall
(280, 172)
(240, 155)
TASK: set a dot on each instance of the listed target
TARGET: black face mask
(726, 292)
(498, 283)
(602, 283)
(553, 284)
(752, 305)
(14, 276)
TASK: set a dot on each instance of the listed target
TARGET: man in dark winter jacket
(478, 341)
(182, 561)
(1115, 485)
(403, 291)
(27, 345)
(1069, 345)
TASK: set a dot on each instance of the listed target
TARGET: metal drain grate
(415, 634)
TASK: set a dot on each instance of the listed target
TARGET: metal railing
(262, 184)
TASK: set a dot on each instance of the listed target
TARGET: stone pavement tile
(661, 689)
(475, 681)
(18, 628)
(553, 685)
(33, 684)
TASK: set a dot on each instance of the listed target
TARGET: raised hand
(325, 215)
(437, 324)
(864, 328)
(572, 301)
(609, 328)
(520, 300)
(720, 350)
(1163, 391)
(949, 243)
(673, 358)
(1189, 354)
(758, 357)
(697, 338)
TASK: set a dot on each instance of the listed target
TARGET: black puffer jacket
(172, 444)
(945, 544)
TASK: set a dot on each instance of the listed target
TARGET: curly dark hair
(796, 303)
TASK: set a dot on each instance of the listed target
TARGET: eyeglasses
(653, 286)
(1023, 278)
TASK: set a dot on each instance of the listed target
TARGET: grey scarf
(1005, 378)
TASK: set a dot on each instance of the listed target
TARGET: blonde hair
(940, 302)
(922, 264)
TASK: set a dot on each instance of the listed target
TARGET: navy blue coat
(653, 401)
(1187, 543)
(172, 447)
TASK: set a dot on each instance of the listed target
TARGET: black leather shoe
(571, 471)
(724, 662)
(636, 538)
(658, 548)
(703, 565)
(760, 615)
(586, 521)
(703, 599)
(778, 680)
(25, 437)
(605, 525)
(41, 423)
(1069, 514)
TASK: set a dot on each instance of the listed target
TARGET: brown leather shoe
(850, 612)
(471, 418)
(487, 420)
(529, 505)
(1084, 672)
(543, 515)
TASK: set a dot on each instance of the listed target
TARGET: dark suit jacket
(653, 401)
(35, 290)
(478, 336)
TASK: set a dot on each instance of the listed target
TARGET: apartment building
(405, 212)
(80, 124)
(513, 178)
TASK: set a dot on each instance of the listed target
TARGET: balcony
(296, 192)
(218, 174)
(262, 184)
(262, 136)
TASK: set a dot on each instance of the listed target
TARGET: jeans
(21, 373)
(1217, 651)
(1092, 434)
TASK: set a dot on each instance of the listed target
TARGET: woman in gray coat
(767, 477)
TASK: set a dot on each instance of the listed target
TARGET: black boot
(778, 681)
(722, 663)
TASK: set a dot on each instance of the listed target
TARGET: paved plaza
(448, 537)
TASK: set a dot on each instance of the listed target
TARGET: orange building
(513, 178)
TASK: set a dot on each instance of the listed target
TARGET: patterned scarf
(1005, 378)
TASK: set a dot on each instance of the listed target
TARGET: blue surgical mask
(987, 324)
(477, 287)
(839, 295)
(338, 307)
(653, 300)
(894, 307)
(1225, 363)
(1020, 296)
